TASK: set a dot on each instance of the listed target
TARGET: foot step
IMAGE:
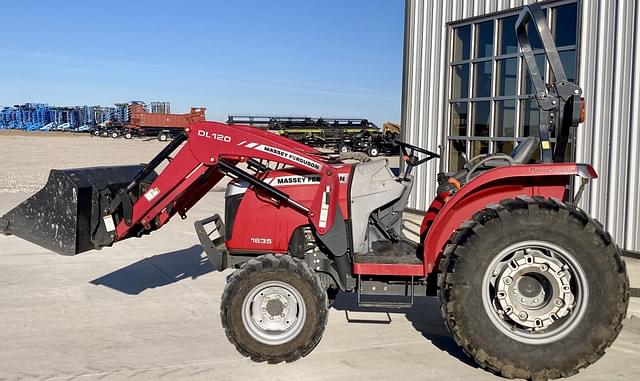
(374, 294)
(360, 317)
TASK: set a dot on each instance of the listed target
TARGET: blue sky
(322, 58)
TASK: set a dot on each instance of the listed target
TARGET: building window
(490, 95)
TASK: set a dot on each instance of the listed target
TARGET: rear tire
(163, 137)
(373, 151)
(533, 288)
(274, 309)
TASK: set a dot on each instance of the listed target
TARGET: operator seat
(374, 186)
(521, 154)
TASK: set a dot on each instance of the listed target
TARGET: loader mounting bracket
(214, 248)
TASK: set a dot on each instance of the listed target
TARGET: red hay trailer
(164, 126)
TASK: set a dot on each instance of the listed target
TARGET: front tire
(533, 288)
(274, 309)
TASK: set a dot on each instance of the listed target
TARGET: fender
(547, 180)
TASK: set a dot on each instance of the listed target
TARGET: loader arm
(211, 151)
(90, 208)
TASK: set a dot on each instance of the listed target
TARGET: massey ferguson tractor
(530, 286)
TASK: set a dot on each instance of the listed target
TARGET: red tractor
(530, 285)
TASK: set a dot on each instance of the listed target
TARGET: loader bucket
(63, 215)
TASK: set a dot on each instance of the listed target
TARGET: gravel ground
(27, 157)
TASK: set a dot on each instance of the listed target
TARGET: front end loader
(530, 285)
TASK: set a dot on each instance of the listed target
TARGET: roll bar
(556, 100)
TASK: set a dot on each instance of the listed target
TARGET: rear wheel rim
(535, 292)
(273, 313)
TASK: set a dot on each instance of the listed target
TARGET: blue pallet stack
(5, 117)
(42, 117)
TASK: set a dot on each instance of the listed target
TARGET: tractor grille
(231, 205)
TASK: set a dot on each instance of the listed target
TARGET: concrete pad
(633, 269)
(411, 225)
(149, 309)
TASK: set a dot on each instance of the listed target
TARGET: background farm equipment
(164, 126)
(124, 120)
(342, 134)
(139, 122)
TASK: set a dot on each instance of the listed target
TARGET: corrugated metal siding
(609, 74)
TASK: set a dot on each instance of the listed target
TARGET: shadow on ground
(157, 271)
(424, 315)
(164, 269)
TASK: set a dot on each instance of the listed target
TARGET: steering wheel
(409, 157)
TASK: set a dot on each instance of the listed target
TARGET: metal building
(464, 87)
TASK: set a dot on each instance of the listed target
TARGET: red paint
(171, 177)
(547, 180)
(209, 140)
(258, 217)
(177, 186)
(432, 213)
(388, 269)
(192, 195)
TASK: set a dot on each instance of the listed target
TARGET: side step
(388, 294)
(389, 259)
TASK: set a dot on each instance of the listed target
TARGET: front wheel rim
(535, 292)
(273, 313)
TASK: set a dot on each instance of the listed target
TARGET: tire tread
(524, 205)
(262, 263)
